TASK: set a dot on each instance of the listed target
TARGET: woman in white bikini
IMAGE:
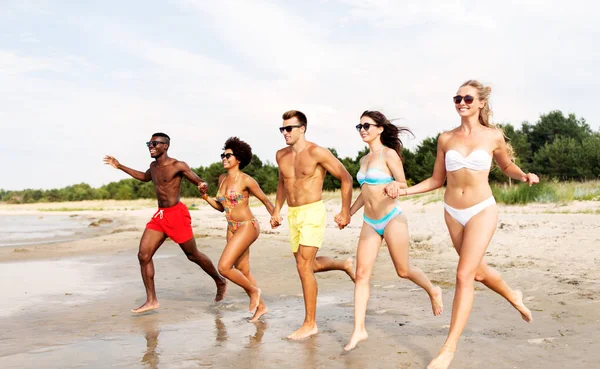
(464, 157)
(383, 218)
(243, 228)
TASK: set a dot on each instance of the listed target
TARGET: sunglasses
(468, 99)
(154, 143)
(228, 155)
(288, 129)
(365, 126)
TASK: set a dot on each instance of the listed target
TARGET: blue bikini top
(373, 176)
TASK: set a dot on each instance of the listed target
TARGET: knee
(363, 274)
(465, 276)
(304, 267)
(144, 257)
(245, 270)
(479, 276)
(403, 272)
(223, 269)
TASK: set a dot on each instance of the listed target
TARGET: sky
(82, 79)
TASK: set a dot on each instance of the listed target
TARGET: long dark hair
(390, 136)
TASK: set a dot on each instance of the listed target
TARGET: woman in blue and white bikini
(383, 218)
(464, 158)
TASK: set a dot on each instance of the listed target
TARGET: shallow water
(21, 230)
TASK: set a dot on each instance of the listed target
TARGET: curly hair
(390, 136)
(241, 150)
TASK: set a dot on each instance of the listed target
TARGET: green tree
(553, 125)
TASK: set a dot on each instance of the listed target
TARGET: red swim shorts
(174, 221)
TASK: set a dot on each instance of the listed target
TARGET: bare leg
(325, 264)
(366, 253)
(396, 237)
(243, 265)
(476, 237)
(305, 259)
(204, 262)
(237, 244)
(150, 242)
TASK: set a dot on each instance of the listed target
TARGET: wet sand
(66, 305)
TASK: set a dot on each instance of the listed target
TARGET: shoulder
(317, 150)
(445, 138)
(390, 154)
(282, 152)
(179, 164)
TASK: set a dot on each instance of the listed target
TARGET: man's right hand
(111, 161)
(276, 220)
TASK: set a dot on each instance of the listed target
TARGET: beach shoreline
(67, 304)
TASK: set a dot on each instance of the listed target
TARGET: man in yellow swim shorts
(302, 168)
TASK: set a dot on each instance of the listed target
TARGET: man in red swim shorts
(172, 218)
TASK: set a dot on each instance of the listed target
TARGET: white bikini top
(477, 160)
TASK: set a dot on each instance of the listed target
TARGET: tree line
(555, 147)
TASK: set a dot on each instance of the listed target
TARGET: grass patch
(547, 192)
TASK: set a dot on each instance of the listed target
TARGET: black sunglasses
(468, 99)
(288, 129)
(366, 126)
(154, 143)
(228, 155)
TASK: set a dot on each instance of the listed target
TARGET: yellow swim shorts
(307, 225)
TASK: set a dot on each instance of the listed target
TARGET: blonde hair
(485, 114)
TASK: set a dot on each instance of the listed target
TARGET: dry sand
(66, 305)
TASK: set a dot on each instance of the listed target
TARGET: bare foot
(146, 307)
(518, 304)
(221, 289)
(437, 304)
(349, 269)
(260, 311)
(254, 300)
(443, 360)
(304, 332)
(355, 339)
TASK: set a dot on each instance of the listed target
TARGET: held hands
(531, 179)
(111, 161)
(393, 190)
(203, 189)
(342, 219)
(276, 220)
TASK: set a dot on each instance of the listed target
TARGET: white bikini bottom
(464, 215)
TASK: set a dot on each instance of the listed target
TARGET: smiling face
(469, 110)
(229, 160)
(157, 146)
(374, 131)
(295, 130)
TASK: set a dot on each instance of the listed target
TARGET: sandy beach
(67, 304)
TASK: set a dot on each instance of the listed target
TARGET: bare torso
(302, 175)
(376, 203)
(167, 182)
(466, 187)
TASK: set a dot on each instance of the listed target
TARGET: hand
(111, 161)
(203, 188)
(342, 219)
(392, 190)
(276, 220)
(531, 179)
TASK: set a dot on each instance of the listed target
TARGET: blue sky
(82, 79)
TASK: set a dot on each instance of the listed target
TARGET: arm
(191, 176)
(507, 166)
(358, 203)
(439, 172)
(279, 199)
(337, 169)
(255, 189)
(394, 163)
(140, 176)
(212, 202)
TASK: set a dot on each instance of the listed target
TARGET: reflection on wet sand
(151, 356)
(255, 340)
